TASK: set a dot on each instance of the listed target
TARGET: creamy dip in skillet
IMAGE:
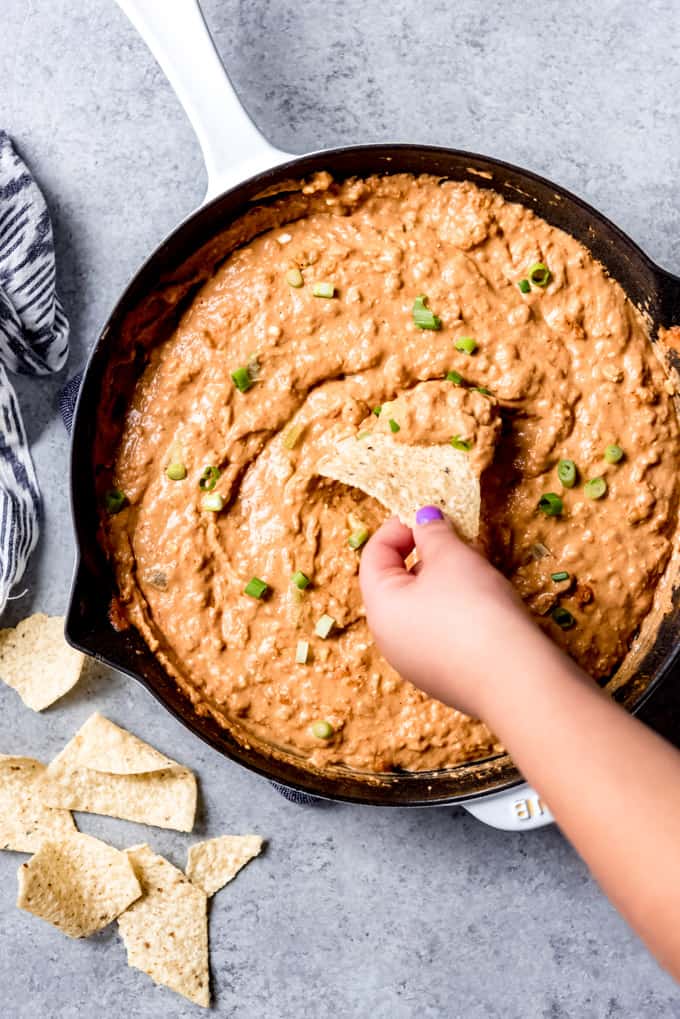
(565, 358)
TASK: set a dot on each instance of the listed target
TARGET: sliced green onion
(302, 652)
(539, 274)
(176, 471)
(394, 427)
(466, 345)
(213, 502)
(241, 379)
(294, 278)
(463, 444)
(322, 730)
(300, 580)
(292, 435)
(454, 377)
(114, 501)
(524, 286)
(422, 316)
(550, 504)
(255, 588)
(483, 390)
(613, 454)
(324, 626)
(358, 538)
(208, 478)
(595, 488)
(563, 617)
(377, 410)
(566, 472)
(363, 435)
(560, 575)
(323, 290)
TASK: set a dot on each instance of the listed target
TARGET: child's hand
(449, 624)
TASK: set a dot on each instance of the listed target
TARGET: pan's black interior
(88, 626)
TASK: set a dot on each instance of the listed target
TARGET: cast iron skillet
(185, 52)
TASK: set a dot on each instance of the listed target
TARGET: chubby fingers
(383, 558)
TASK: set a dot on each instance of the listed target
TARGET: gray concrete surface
(352, 912)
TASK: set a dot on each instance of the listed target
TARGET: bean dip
(238, 563)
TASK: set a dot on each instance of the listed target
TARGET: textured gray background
(352, 912)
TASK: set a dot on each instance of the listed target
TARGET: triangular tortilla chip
(214, 863)
(166, 931)
(404, 477)
(77, 883)
(106, 770)
(36, 661)
(25, 821)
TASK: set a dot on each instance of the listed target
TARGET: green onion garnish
(550, 504)
(294, 278)
(322, 730)
(613, 454)
(213, 502)
(324, 626)
(539, 274)
(563, 617)
(377, 410)
(463, 444)
(483, 390)
(208, 478)
(422, 316)
(114, 501)
(364, 435)
(300, 580)
(394, 427)
(358, 538)
(255, 588)
(241, 379)
(524, 286)
(566, 472)
(292, 435)
(323, 290)
(466, 345)
(302, 652)
(176, 471)
(454, 377)
(595, 488)
(560, 575)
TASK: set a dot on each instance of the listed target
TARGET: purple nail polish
(426, 514)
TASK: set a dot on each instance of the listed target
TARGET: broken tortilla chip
(77, 883)
(214, 863)
(165, 932)
(36, 661)
(404, 477)
(106, 770)
(25, 821)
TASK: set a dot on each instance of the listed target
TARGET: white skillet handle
(177, 35)
(518, 809)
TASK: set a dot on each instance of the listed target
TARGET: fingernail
(426, 514)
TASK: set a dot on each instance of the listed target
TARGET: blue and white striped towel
(33, 341)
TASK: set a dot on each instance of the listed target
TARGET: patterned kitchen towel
(33, 341)
(67, 406)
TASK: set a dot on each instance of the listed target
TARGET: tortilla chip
(214, 863)
(166, 931)
(25, 821)
(77, 883)
(404, 477)
(36, 661)
(106, 770)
